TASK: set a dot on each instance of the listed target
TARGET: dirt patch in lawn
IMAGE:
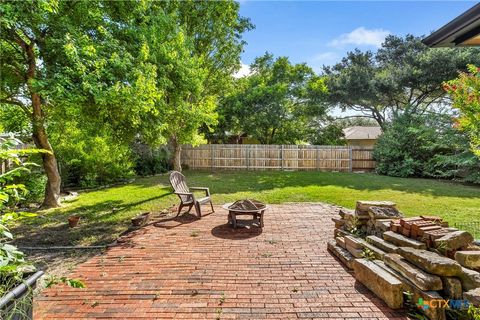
(44, 248)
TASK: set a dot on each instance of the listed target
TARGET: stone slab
(470, 279)
(402, 241)
(356, 247)
(382, 244)
(343, 255)
(363, 206)
(362, 218)
(357, 253)
(452, 288)
(454, 240)
(468, 259)
(383, 225)
(379, 222)
(473, 296)
(386, 286)
(431, 262)
(339, 221)
(420, 278)
(340, 232)
(408, 286)
(340, 242)
(342, 212)
(353, 242)
(379, 253)
(383, 212)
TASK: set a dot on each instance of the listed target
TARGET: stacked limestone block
(369, 217)
(391, 255)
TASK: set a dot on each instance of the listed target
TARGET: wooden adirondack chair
(187, 198)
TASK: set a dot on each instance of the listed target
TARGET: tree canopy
(274, 103)
(202, 69)
(403, 73)
(73, 57)
(149, 69)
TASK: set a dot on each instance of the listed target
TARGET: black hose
(21, 289)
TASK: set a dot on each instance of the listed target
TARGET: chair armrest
(207, 190)
(184, 193)
(188, 194)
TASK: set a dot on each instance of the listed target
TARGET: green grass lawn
(106, 213)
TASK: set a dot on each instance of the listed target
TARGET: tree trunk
(272, 135)
(39, 135)
(177, 152)
(52, 189)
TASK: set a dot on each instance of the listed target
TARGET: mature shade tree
(81, 57)
(213, 36)
(402, 73)
(274, 103)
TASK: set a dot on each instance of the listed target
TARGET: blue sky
(321, 32)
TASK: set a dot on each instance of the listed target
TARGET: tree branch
(16, 103)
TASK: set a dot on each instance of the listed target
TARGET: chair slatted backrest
(177, 180)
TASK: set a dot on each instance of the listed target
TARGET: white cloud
(244, 71)
(361, 36)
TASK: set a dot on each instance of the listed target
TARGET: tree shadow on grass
(227, 182)
(99, 225)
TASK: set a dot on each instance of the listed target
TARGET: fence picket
(281, 157)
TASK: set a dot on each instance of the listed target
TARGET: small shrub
(426, 146)
(35, 184)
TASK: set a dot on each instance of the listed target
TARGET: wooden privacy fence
(282, 157)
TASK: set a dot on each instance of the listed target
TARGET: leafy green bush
(13, 265)
(35, 183)
(465, 92)
(426, 146)
(12, 261)
(87, 160)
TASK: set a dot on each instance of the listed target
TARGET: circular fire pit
(251, 207)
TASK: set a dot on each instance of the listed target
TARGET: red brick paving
(203, 269)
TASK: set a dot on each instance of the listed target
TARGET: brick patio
(202, 269)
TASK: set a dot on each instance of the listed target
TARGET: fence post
(350, 162)
(317, 155)
(281, 157)
(247, 154)
(211, 156)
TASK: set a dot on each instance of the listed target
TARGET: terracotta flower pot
(73, 221)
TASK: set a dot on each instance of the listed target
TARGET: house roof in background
(362, 133)
(464, 30)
